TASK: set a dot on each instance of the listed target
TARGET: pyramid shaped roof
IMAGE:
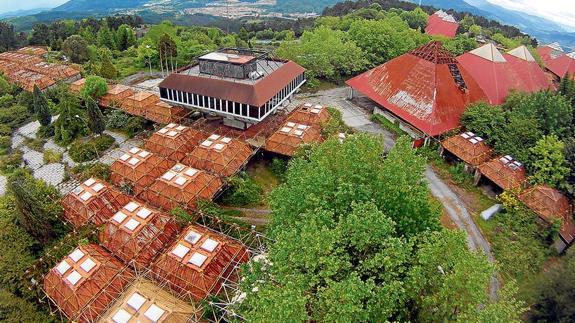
(489, 52)
(523, 53)
(426, 87)
(442, 24)
(550, 51)
(562, 65)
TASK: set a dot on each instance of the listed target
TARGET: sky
(14, 5)
(560, 11)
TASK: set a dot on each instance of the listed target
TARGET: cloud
(560, 11)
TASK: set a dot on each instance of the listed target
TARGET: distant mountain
(546, 31)
(20, 13)
(99, 5)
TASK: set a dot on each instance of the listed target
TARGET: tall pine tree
(41, 107)
(95, 117)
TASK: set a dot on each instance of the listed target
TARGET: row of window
(231, 107)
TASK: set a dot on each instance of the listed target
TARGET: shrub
(120, 120)
(5, 130)
(11, 162)
(335, 124)
(14, 116)
(36, 144)
(6, 100)
(243, 191)
(52, 156)
(83, 151)
(98, 170)
(45, 131)
(94, 87)
(278, 167)
(459, 175)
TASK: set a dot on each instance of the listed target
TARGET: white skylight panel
(78, 190)
(291, 124)
(197, 259)
(63, 267)
(131, 207)
(86, 196)
(119, 217)
(465, 135)
(132, 224)
(191, 172)
(504, 160)
(172, 133)
(154, 313)
(207, 143)
(285, 129)
(77, 255)
(98, 187)
(214, 137)
(308, 105)
(473, 141)
(178, 168)
(171, 125)
(163, 131)
(180, 128)
(509, 157)
(121, 316)
(193, 237)
(298, 133)
(88, 264)
(210, 245)
(134, 161)
(143, 154)
(136, 301)
(317, 106)
(301, 127)
(479, 139)
(135, 150)
(144, 213)
(180, 250)
(90, 182)
(169, 175)
(74, 277)
(315, 111)
(219, 146)
(124, 157)
(181, 180)
(226, 140)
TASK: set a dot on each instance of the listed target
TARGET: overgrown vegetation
(85, 150)
(243, 191)
(86, 171)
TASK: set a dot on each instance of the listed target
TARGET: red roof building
(139, 233)
(182, 186)
(426, 87)
(175, 141)
(291, 136)
(199, 262)
(550, 51)
(441, 24)
(530, 73)
(220, 155)
(468, 147)
(86, 282)
(310, 114)
(138, 168)
(93, 201)
(551, 205)
(116, 96)
(562, 65)
(504, 172)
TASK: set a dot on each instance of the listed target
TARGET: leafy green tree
(556, 294)
(517, 136)
(96, 120)
(40, 35)
(37, 205)
(385, 39)
(94, 87)
(325, 53)
(107, 69)
(106, 37)
(484, 120)
(458, 45)
(5, 87)
(70, 125)
(466, 23)
(549, 165)
(15, 309)
(475, 30)
(447, 279)
(124, 37)
(416, 19)
(507, 309)
(41, 107)
(168, 50)
(76, 48)
(243, 191)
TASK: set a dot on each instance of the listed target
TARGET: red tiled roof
(427, 88)
(505, 172)
(468, 147)
(562, 65)
(436, 25)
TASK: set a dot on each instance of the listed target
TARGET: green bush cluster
(243, 191)
(86, 150)
(97, 170)
(120, 120)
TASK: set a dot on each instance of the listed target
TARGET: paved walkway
(359, 119)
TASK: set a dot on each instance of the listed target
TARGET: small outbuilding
(199, 262)
(505, 172)
(291, 136)
(310, 114)
(86, 282)
(94, 201)
(471, 149)
(175, 141)
(138, 233)
(116, 96)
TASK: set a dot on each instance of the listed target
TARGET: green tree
(41, 107)
(325, 53)
(76, 48)
(38, 206)
(475, 30)
(70, 125)
(517, 136)
(556, 294)
(416, 19)
(94, 87)
(5, 87)
(15, 309)
(96, 120)
(168, 50)
(106, 37)
(484, 120)
(466, 23)
(549, 165)
(458, 45)
(507, 309)
(107, 69)
(124, 37)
